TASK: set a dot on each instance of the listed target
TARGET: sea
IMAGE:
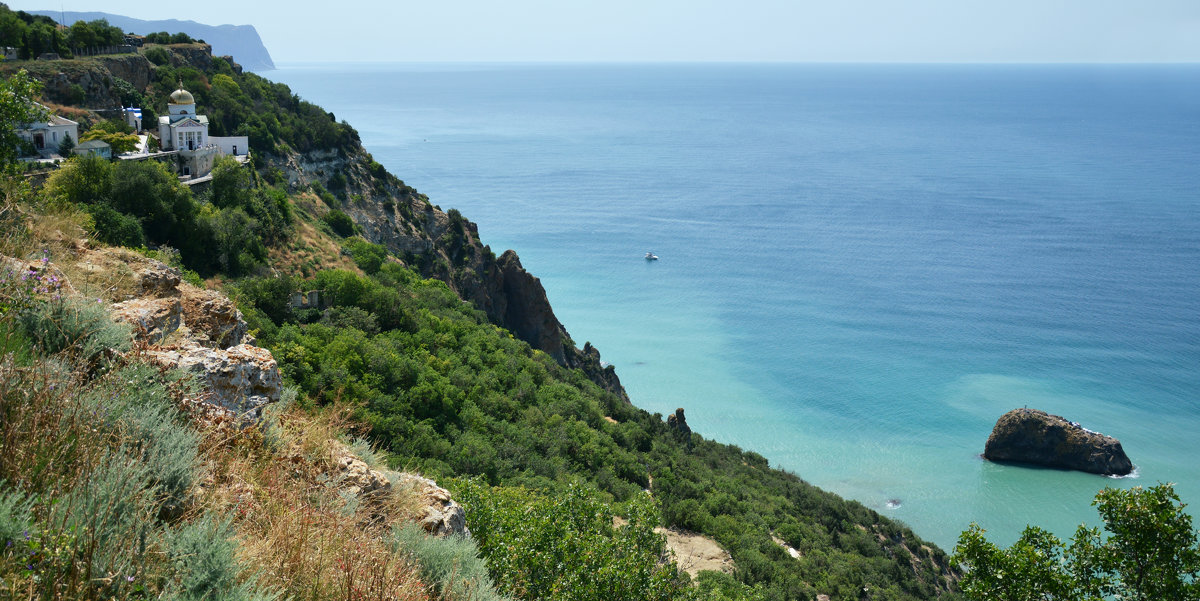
(861, 267)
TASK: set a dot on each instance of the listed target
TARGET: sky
(696, 30)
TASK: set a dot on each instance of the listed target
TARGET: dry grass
(28, 229)
(79, 115)
(59, 232)
(295, 523)
(309, 251)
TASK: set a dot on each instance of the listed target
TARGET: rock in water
(1033, 436)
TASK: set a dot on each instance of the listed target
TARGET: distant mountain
(241, 41)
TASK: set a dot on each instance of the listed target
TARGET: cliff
(445, 246)
(1039, 438)
(99, 77)
(241, 41)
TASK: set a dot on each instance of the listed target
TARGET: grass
(296, 523)
(114, 484)
(118, 493)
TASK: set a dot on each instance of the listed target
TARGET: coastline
(584, 196)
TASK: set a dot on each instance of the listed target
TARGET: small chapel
(183, 130)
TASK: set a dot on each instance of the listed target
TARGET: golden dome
(182, 96)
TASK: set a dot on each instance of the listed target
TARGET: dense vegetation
(30, 34)
(1150, 553)
(162, 37)
(450, 394)
(134, 203)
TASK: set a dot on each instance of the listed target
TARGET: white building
(133, 116)
(47, 135)
(183, 130)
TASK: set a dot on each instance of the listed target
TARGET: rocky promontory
(1039, 438)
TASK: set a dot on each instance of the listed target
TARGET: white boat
(651, 257)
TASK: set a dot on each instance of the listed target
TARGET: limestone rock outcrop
(152, 318)
(527, 311)
(159, 280)
(1039, 438)
(213, 318)
(241, 378)
(355, 475)
(442, 514)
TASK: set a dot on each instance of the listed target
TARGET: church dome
(182, 96)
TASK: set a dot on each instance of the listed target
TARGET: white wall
(229, 143)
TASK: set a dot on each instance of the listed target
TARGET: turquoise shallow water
(862, 267)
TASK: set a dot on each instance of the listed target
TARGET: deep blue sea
(862, 266)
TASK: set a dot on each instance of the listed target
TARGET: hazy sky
(701, 30)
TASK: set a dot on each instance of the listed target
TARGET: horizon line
(720, 61)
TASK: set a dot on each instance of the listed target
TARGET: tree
(1153, 546)
(149, 191)
(115, 133)
(64, 147)
(82, 35)
(82, 180)
(1150, 553)
(17, 109)
(231, 184)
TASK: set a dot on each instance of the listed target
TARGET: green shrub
(82, 328)
(135, 400)
(369, 257)
(16, 516)
(350, 317)
(270, 295)
(337, 183)
(75, 94)
(340, 223)
(564, 545)
(203, 554)
(157, 55)
(109, 518)
(112, 227)
(450, 564)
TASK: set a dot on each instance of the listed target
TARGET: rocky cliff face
(97, 80)
(98, 77)
(1039, 438)
(445, 246)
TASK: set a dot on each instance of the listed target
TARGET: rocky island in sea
(1035, 437)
